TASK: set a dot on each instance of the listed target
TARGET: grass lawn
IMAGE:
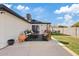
(69, 41)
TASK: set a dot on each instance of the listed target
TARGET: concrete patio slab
(35, 48)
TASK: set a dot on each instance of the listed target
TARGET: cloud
(70, 23)
(69, 12)
(67, 17)
(67, 23)
(74, 8)
(67, 20)
(8, 5)
(21, 7)
(59, 18)
(39, 13)
(39, 9)
(27, 8)
(62, 10)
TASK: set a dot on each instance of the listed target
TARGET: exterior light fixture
(2, 12)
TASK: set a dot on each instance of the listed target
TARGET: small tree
(76, 25)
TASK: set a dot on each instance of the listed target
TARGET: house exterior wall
(10, 27)
(42, 27)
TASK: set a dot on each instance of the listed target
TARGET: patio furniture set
(29, 36)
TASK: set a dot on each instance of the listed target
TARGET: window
(35, 28)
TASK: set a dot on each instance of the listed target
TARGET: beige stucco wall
(10, 27)
(42, 27)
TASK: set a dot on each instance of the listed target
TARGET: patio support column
(49, 32)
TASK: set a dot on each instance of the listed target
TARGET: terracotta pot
(22, 37)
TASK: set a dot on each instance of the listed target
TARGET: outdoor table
(34, 35)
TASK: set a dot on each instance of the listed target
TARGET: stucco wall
(42, 27)
(10, 27)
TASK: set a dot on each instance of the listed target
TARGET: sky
(57, 13)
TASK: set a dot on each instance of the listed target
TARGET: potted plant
(28, 33)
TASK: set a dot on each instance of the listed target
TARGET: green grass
(71, 42)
